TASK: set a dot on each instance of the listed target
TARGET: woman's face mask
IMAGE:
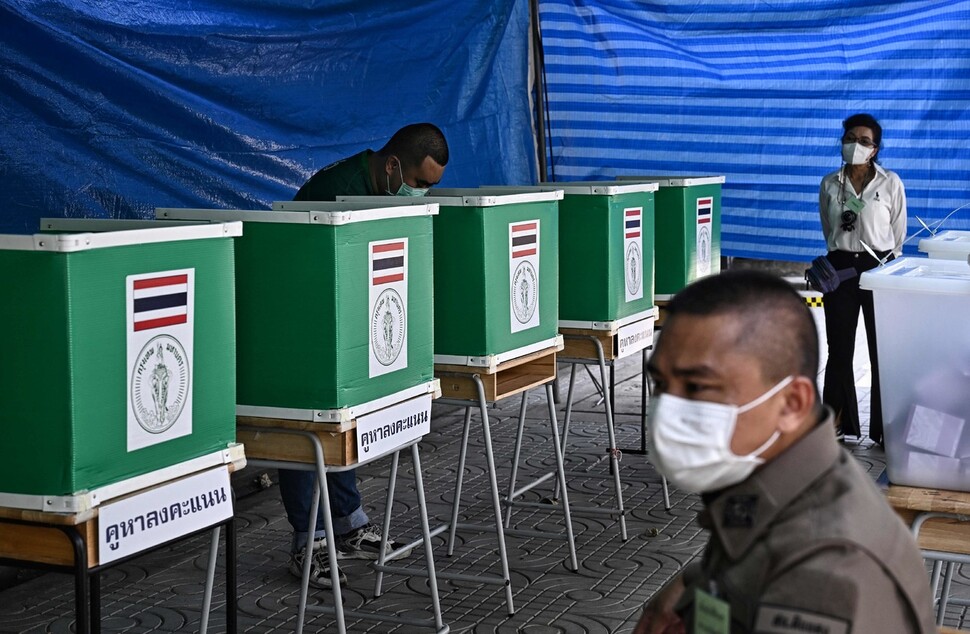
(856, 153)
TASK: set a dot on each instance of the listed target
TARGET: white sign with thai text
(144, 520)
(392, 427)
(634, 337)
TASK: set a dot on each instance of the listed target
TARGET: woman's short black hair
(867, 121)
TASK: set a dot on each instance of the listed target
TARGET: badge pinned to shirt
(711, 615)
(855, 204)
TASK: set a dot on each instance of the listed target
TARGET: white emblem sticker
(388, 301)
(160, 328)
(705, 212)
(633, 253)
(524, 274)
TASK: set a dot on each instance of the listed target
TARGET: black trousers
(841, 308)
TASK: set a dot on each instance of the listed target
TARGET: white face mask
(691, 441)
(856, 153)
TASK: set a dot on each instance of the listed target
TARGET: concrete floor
(161, 592)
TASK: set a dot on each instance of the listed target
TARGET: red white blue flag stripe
(525, 238)
(160, 301)
(632, 223)
(704, 208)
(387, 263)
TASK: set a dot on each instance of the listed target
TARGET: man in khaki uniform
(801, 539)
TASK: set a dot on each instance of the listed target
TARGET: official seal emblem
(525, 292)
(633, 269)
(388, 326)
(160, 384)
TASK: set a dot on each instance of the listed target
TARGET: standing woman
(859, 203)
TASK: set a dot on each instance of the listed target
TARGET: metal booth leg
(493, 483)
(338, 602)
(613, 451)
(945, 597)
(388, 505)
(456, 503)
(210, 577)
(645, 390)
(567, 417)
(307, 557)
(82, 595)
(935, 581)
(426, 533)
(321, 495)
(644, 385)
(516, 453)
(560, 470)
(95, 578)
(231, 594)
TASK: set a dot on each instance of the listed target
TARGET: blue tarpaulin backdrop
(110, 109)
(757, 91)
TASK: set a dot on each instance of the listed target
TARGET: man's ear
(799, 404)
(390, 164)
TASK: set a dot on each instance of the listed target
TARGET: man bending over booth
(412, 161)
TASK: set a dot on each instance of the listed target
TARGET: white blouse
(881, 222)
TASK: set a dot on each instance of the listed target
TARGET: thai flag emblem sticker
(705, 206)
(160, 327)
(705, 214)
(633, 253)
(160, 301)
(388, 300)
(524, 274)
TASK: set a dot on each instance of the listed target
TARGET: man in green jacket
(411, 162)
(408, 165)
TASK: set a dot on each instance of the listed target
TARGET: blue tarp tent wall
(757, 92)
(110, 109)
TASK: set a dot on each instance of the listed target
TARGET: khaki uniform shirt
(808, 544)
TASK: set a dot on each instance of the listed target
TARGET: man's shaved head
(414, 142)
(777, 327)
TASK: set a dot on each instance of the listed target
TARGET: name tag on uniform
(855, 204)
(711, 615)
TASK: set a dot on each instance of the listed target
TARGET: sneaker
(319, 566)
(365, 543)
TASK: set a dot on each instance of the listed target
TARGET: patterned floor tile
(162, 592)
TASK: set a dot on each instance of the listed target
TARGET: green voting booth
(335, 309)
(118, 361)
(496, 273)
(687, 229)
(606, 238)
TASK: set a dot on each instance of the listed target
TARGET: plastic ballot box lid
(947, 245)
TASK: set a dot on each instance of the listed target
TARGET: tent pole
(538, 63)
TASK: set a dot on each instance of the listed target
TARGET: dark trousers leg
(841, 308)
(875, 398)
